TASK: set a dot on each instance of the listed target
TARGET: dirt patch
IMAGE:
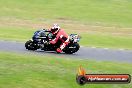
(68, 25)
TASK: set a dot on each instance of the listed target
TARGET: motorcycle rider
(61, 35)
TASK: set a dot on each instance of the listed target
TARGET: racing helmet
(55, 28)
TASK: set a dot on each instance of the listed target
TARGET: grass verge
(112, 12)
(33, 71)
(88, 39)
(16, 15)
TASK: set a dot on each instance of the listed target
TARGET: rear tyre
(72, 48)
(30, 45)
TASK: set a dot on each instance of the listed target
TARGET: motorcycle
(43, 43)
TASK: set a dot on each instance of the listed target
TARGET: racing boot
(58, 50)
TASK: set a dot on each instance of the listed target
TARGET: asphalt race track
(99, 54)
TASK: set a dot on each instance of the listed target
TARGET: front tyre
(30, 45)
(72, 48)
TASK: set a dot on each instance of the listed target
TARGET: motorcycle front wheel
(30, 45)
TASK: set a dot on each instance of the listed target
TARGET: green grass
(17, 34)
(112, 12)
(106, 40)
(99, 40)
(18, 18)
(33, 71)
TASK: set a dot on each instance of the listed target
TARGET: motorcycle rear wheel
(69, 50)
